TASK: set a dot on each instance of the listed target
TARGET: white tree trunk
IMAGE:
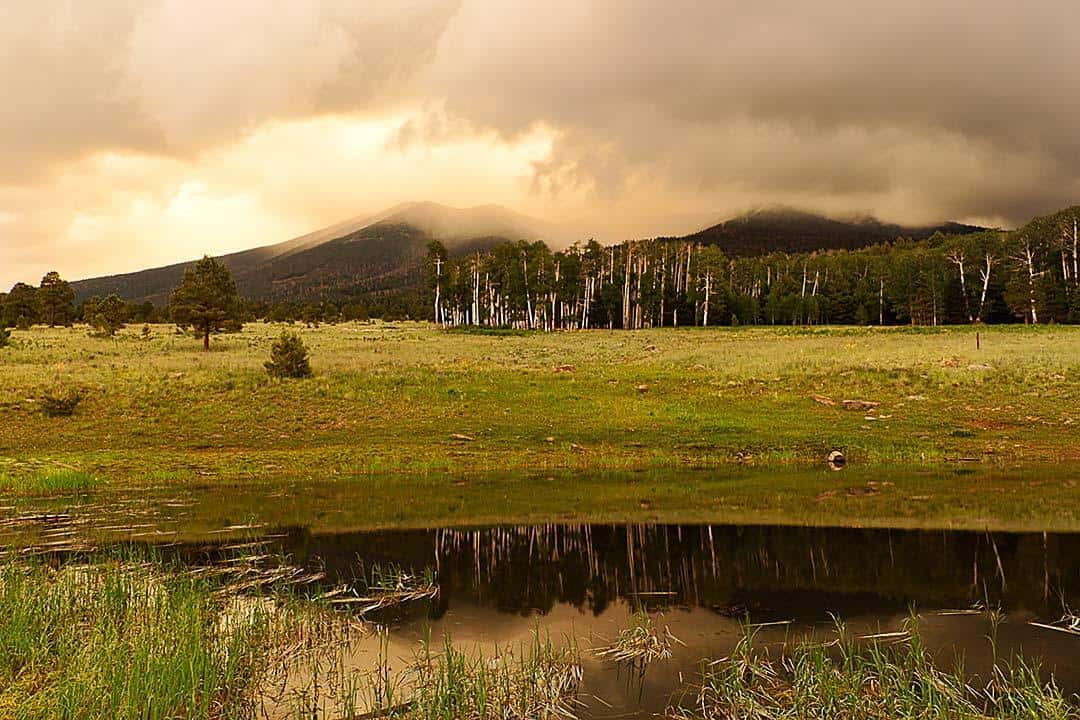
(984, 272)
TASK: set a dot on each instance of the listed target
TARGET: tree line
(206, 300)
(1030, 275)
(52, 303)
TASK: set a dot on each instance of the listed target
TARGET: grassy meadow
(420, 403)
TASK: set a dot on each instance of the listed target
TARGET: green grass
(413, 401)
(130, 637)
(48, 482)
(882, 679)
(122, 640)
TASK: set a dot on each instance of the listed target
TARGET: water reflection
(767, 571)
(581, 581)
(585, 581)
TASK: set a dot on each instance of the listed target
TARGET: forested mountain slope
(787, 230)
(352, 258)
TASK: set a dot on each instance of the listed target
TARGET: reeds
(385, 587)
(889, 676)
(640, 643)
(129, 638)
(535, 681)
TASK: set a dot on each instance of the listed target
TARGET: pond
(583, 583)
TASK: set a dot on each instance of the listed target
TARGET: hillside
(383, 253)
(788, 230)
(352, 258)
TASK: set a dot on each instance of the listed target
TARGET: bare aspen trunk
(686, 282)
(476, 291)
(881, 302)
(528, 299)
(1030, 262)
(555, 294)
(1076, 256)
(438, 290)
(708, 290)
(957, 258)
(984, 272)
(663, 286)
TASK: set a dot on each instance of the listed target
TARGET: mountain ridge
(788, 229)
(363, 254)
(384, 252)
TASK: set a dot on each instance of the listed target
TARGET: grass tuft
(893, 676)
(640, 643)
(48, 482)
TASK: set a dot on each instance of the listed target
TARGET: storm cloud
(629, 117)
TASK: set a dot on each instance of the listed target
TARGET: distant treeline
(1030, 275)
(53, 303)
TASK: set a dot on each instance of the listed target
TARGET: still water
(499, 584)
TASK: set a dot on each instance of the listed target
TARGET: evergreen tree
(56, 300)
(206, 299)
(21, 308)
(289, 357)
(105, 316)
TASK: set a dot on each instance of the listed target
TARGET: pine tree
(206, 300)
(289, 357)
(56, 300)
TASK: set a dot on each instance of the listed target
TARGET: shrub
(289, 357)
(5, 336)
(61, 402)
(105, 316)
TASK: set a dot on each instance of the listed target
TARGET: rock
(549, 439)
(459, 436)
(823, 400)
(860, 404)
(643, 388)
(836, 460)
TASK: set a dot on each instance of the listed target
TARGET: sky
(139, 132)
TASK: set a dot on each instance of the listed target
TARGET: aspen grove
(1031, 275)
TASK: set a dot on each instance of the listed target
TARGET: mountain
(788, 230)
(383, 253)
(363, 255)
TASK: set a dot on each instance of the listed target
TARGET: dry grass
(640, 643)
(877, 678)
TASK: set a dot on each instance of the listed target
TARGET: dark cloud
(660, 114)
(837, 99)
(180, 76)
